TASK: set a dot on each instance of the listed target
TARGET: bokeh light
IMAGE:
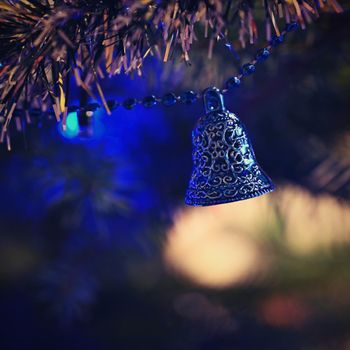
(72, 126)
(224, 245)
(205, 250)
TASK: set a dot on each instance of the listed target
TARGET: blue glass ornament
(224, 165)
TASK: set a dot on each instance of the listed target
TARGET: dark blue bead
(248, 69)
(169, 99)
(263, 54)
(112, 104)
(188, 97)
(292, 26)
(277, 40)
(232, 83)
(129, 103)
(149, 101)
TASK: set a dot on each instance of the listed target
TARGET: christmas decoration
(94, 237)
(47, 42)
(43, 43)
(225, 168)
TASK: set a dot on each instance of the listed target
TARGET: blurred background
(98, 251)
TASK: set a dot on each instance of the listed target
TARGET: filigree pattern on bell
(225, 168)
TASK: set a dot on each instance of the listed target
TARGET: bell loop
(213, 100)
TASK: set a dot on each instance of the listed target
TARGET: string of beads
(190, 96)
(186, 97)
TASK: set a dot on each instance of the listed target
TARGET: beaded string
(189, 96)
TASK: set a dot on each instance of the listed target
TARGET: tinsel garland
(44, 42)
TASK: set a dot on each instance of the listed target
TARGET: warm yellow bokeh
(223, 245)
(313, 222)
(205, 250)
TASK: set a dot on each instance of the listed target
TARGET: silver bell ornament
(224, 165)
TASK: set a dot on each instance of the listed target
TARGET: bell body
(224, 165)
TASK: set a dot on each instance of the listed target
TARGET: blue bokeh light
(72, 126)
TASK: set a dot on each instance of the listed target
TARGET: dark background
(86, 223)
